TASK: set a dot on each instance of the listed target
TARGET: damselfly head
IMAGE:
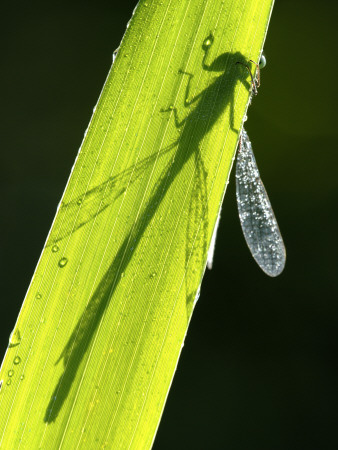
(262, 62)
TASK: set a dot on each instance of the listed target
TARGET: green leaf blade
(105, 317)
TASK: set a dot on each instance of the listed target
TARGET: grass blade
(95, 347)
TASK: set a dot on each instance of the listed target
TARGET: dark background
(259, 366)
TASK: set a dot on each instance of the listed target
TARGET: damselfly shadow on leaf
(205, 109)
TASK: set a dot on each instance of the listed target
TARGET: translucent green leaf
(95, 347)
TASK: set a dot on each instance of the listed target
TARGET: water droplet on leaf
(14, 338)
(63, 262)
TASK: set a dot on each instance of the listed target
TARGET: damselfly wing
(256, 215)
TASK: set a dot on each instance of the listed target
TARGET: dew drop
(11, 373)
(22, 377)
(153, 275)
(14, 338)
(208, 41)
(17, 360)
(55, 248)
(38, 296)
(115, 53)
(63, 262)
(79, 202)
(9, 382)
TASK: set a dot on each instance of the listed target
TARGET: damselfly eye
(262, 62)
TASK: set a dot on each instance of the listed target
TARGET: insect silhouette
(255, 212)
(258, 222)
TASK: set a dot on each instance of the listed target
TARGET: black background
(259, 366)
